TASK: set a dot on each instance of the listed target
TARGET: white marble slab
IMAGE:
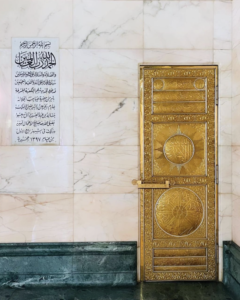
(225, 205)
(36, 218)
(106, 73)
(236, 193)
(5, 97)
(235, 23)
(236, 235)
(224, 60)
(124, 0)
(38, 18)
(225, 229)
(236, 170)
(178, 24)
(225, 121)
(106, 121)
(178, 56)
(236, 71)
(105, 169)
(225, 169)
(105, 217)
(236, 219)
(66, 97)
(108, 24)
(36, 170)
(235, 120)
(222, 24)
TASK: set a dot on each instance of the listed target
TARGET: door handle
(141, 185)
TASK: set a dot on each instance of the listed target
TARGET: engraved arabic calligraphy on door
(178, 149)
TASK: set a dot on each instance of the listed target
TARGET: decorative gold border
(141, 174)
(147, 194)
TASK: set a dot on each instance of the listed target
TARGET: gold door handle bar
(141, 185)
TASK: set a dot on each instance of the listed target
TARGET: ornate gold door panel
(177, 184)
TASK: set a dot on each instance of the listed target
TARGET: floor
(144, 291)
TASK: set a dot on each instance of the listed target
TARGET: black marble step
(143, 291)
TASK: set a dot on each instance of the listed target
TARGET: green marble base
(231, 267)
(68, 264)
(143, 291)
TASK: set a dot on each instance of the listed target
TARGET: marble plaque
(35, 91)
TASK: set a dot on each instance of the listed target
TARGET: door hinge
(216, 174)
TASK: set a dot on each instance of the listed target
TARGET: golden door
(178, 184)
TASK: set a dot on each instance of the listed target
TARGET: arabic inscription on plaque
(35, 91)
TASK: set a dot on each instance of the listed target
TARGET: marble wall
(236, 121)
(81, 190)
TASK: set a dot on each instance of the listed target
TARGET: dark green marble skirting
(231, 267)
(68, 264)
(142, 291)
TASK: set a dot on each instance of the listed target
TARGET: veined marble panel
(36, 218)
(106, 73)
(178, 56)
(105, 169)
(66, 121)
(236, 193)
(36, 170)
(236, 170)
(5, 97)
(225, 169)
(235, 120)
(225, 121)
(223, 24)
(178, 24)
(236, 219)
(225, 229)
(38, 18)
(107, 24)
(225, 205)
(236, 71)
(106, 121)
(66, 97)
(104, 217)
(235, 22)
(224, 60)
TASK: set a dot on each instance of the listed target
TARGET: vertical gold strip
(216, 163)
(141, 174)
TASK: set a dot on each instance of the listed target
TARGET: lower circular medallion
(179, 211)
(178, 149)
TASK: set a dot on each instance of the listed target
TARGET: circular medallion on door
(178, 149)
(179, 212)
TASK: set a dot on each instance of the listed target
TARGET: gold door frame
(142, 191)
